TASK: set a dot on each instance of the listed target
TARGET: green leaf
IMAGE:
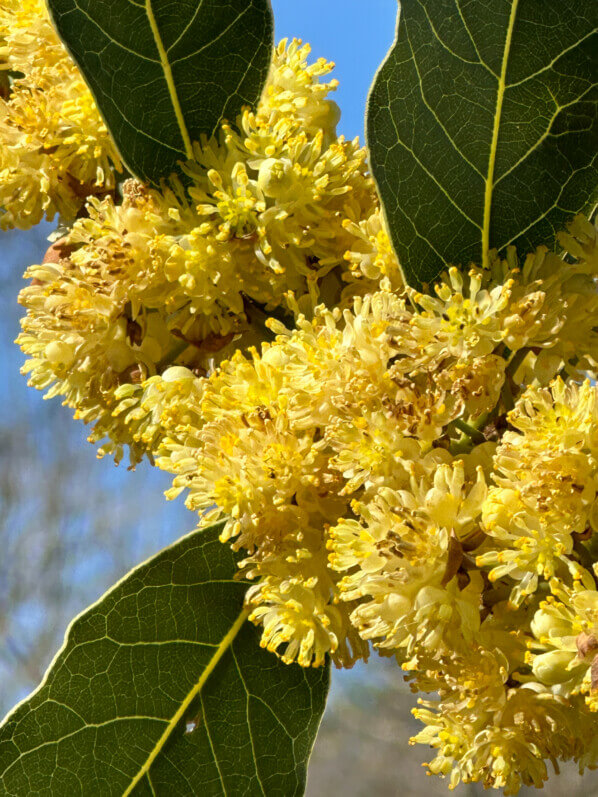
(165, 71)
(161, 688)
(482, 127)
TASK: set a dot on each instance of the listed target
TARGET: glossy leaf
(161, 687)
(482, 127)
(165, 71)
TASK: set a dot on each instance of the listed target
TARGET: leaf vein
(212, 748)
(111, 39)
(494, 142)
(553, 62)
(544, 135)
(434, 114)
(196, 690)
(222, 33)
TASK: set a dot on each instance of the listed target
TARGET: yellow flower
(505, 748)
(280, 193)
(371, 450)
(566, 629)
(371, 257)
(549, 461)
(82, 347)
(186, 278)
(407, 546)
(55, 149)
(553, 306)
(581, 241)
(475, 382)
(149, 409)
(291, 600)
(528, 548)
(106, 315)
(563, 417)
(460, 321)
(295, 90)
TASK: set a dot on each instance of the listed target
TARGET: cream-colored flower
(371, 257)
(401, 557)
(504, 748)
(549, 461)
(55, 149)
(464, 319)
(565, 626)
(527, 549)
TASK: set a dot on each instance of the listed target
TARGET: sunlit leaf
(165, 71)
(161, 687)
(482, 127)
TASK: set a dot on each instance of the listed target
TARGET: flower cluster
(55, 149)
(413, 473)
(186, 277)
(418, 473)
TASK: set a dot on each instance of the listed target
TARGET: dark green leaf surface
(482, 127)
(164, 71)
(128, 665)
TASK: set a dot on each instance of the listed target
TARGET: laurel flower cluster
(544, 498)
(414, 473)
(282, 189)
(555, 304)
(504, 737)
(401, 474)
(185, 277)
(55, 149)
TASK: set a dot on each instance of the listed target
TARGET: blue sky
(354, 34)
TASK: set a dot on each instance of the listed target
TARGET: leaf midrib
(167, 69)
(500, 94)
(226, 642)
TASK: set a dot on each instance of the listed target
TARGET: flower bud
(59, 352)
(552, 668)
(275, 177)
